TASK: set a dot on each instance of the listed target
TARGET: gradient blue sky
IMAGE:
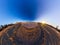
(50, 12)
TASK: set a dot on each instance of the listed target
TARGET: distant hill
(5, 26)
(54, 27)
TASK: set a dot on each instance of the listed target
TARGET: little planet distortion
(29, 33)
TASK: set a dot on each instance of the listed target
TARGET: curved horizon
(50, 13)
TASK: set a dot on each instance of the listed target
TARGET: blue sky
(48, 10)
(52, 15)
